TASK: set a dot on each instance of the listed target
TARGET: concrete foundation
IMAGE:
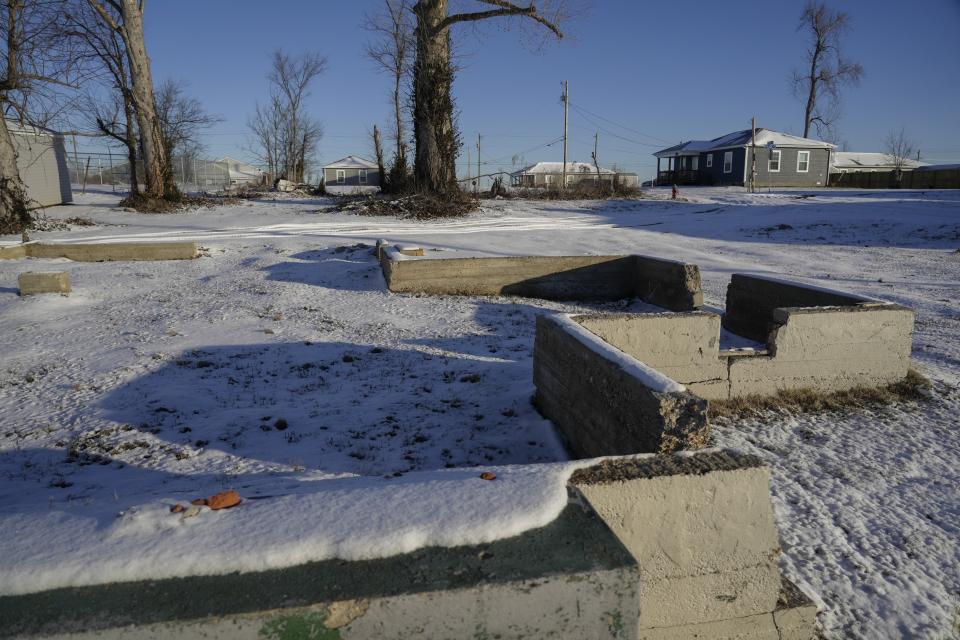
(43, 282)
(117, 251)
(824, 349)
(602, 408)
(669, 284)
(651, 547)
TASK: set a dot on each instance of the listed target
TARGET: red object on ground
(223, 500)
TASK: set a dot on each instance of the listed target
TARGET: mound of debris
(417, 206)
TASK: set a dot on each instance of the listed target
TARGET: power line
(612, 133)
(622, 126)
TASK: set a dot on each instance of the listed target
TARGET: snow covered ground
(355, 422)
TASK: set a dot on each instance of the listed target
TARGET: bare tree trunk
(378, 151)
(812, 95)
(159, 181)
(131, 142)
(433, 129)
(14, 217)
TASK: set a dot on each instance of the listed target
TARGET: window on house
(728, 161)
(803, 161)
(695, 163)
(709, 160)
(363, 176)
(548, 179)
(773, 164)
(341, 176)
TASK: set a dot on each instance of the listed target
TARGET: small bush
(586, 190)
(417, 206)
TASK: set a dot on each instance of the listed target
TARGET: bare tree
(125, 17)
(899, 149)
(827, 71)
(378, 152)
(285, 137)
(182, 119)
(436, 136)
(113, 115)
(392, 50)
(35, 64)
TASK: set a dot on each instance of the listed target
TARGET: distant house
(550, 174)
(350, 175)
(42, 163)
(241, 172)
(851, 161)
(782, 160)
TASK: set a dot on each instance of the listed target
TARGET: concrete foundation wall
(829, 350)
(117, 251)
(672, 547)
(751, 301)
(601, 409)
(672, 285)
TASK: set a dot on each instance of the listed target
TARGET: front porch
(679, 169)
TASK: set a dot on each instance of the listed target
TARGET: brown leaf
(199, 502)
(177, 508)
(223, 500)
(487, 475)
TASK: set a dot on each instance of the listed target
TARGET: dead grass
(913, 387)
(144, 204)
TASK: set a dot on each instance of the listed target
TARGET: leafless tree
(125, 17)
(378, 153)
(112, 114)
(35, 66)
(392, 49)
(826, 72)
(899, 149)
(182, 120)
(285, 137)
(436, 136)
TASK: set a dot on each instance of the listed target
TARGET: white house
(241, 172)
(550, 174)
(42, 163)
(352, 174)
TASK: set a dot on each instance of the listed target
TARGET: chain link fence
(111, 168)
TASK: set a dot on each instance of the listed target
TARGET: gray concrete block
(601, 409)
(672, 285)
(33, 282)
(115, 251)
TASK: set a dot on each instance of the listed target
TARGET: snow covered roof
(742, 139)
(351, 162)
(937, 167)
(557, 168)
(869, 160)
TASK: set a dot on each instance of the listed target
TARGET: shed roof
(869, 159)
(351, 162)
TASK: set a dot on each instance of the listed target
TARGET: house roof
(742, 139)
(351, 162)
(557, 168)
(869, 159)
(937, 167)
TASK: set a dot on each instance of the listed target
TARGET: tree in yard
(285, 137)
(182, 119)
(436, 137)
(378, 152)
(826, 71)
(392, 51)
(899, 149)
(125, 17)
(34, 64)
(113, 115)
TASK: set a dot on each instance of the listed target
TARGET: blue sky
(661, 71)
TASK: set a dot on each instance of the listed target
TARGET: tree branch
(506, 9)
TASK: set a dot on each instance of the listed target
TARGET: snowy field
(355, 422)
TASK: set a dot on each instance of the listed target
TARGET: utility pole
(478, 161)
(566, 105)
(469, 166)
(596, 163)
(753, 154)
